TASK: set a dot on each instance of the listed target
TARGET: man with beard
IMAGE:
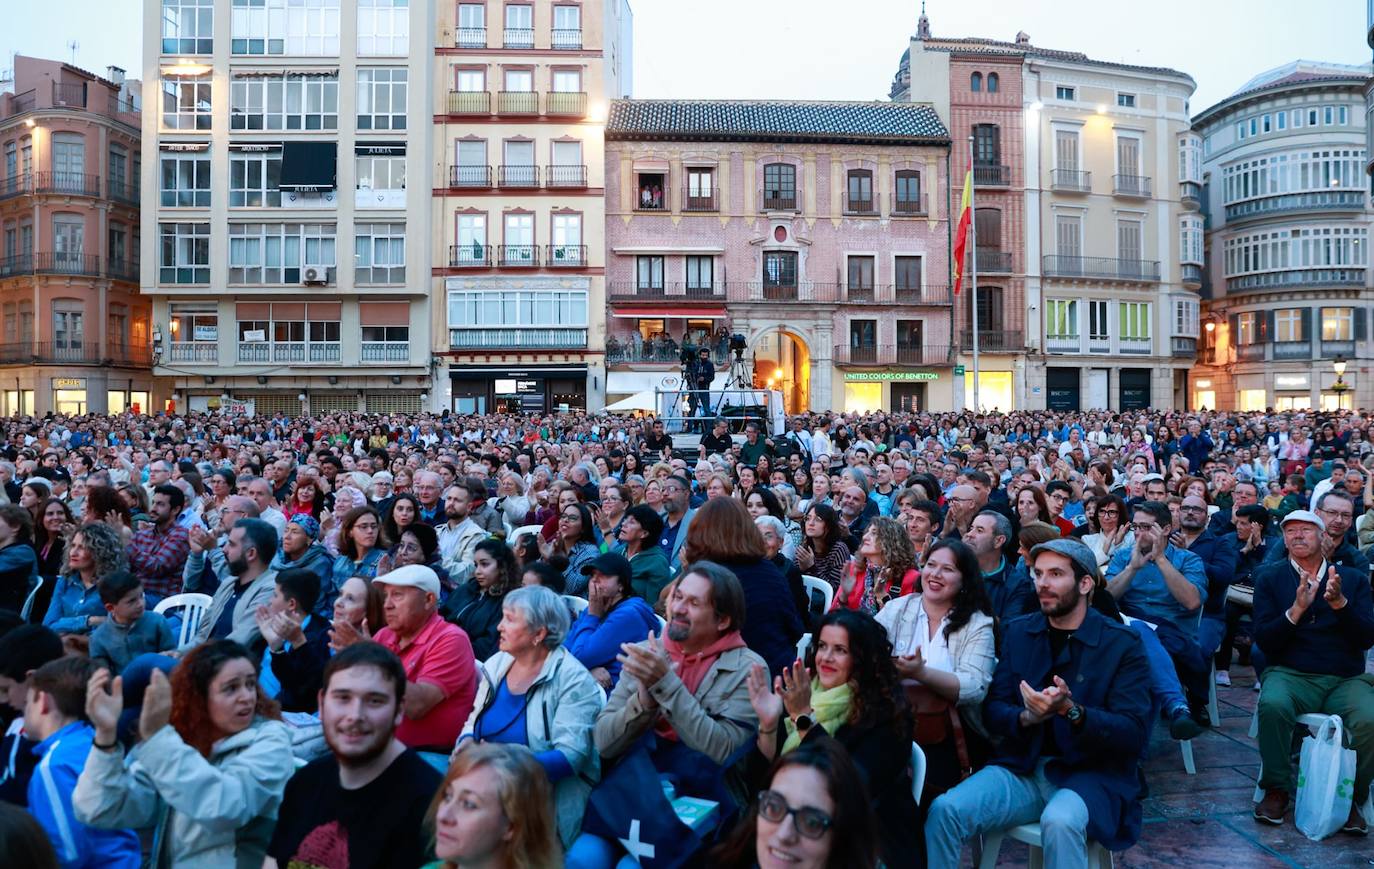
(459, 535)
(248, 553)
(363, 805)
(1070, 702)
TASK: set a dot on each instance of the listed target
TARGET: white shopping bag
(1326, 781)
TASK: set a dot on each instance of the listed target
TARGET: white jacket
(215, 813)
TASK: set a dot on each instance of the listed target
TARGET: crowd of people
(580, 640)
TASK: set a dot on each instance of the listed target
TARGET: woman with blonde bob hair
(494, 808)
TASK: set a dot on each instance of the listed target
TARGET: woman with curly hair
(850, 691)
(95, 551)
(211, 767)
(883, 568)
(823, 552)
(944, 645)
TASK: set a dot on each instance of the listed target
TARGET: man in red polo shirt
(441, 673)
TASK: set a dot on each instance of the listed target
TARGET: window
(471, 248)
(1061, 319)
(652, 188)
(519, 81)
(382, 98)
(253, 178)
(68, 325)
(1128, 156)
(1190, 234)
(1128, 241)
(519, 239)
(69, 241)
(275, 253)
(519, 26)
(470, 81)
(517, 308)
(1066, 150)
(11, 335)
(1328, 115)
(380, 173)
(993, 82)
(1190, 159)
(975, 82)
(1126, 101)
(908, 272)
(1289, 325)
(987, 146)
(185, 179)
(779, 269)
(11, 159)
(284, 102)
(779, 186)
(1247, 329)
(1265, 123)
(859, 192)
(285, 27)
(117, 326)
(1319, 170)
(1282, 120)
(117, 243)
(1185, 318)
(909, 334)
(185, 253)
(379, 253)
(25, 322)
(908, 199)
(384, 27)
(1338, 324)
(1311, 117)
(118, 158)
(566, 240)
(186, 103)
(1297, 248)
(1135, 320)
(386, 334)
(987, 224)
(1098, 330)
(649, 272)
(188, 26)
(472, 25)
(472, 163)
(567, 81)
(863, 334)
(1063, 93)
(567, 27)
(701, 272)
(861, 274)
(701, 187)
(1068, 234)
(1344, 115)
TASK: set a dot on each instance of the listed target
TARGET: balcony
(653, 352)
(1062, 344)
(860, 293)
(71, 96)
(517, 103)
(565, 256)
(517, 339)
(1284, 350)
(1293, 203)
(50, 264)
(993, 341)
(469, 102)
(122, 269)
(562, 39)
(125, 193)
(193, 351)
(778, 200)
(471, 177)
(565, 104)
(1192, 275)
(1131, 186)
(931, 294)
(659, 205)
(325, 351)
(701, 200)
(1190, 194)
(470, 37)
(991, 175)
(1332, 349)
(53, 353)
(1181, 347)
(15, 185)
(905, 206)
(673, 291)
(865, 205)
(1103, 268)
(565, 176)
(891, 354)
(1135, 346)
(517, 176)
(517, 256)
(385, 351)
(469, 256)
(1250, 353)
(66, 183)
(518, 37)
(1301, 278)
(1071, 180)
(785, 290)
(992, 262)
(20, 103)
(888, 294)
(139, 356)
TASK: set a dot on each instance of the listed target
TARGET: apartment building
(1287, 285)
(1092, 218)
(818, 231)
(76, 336)
(284, 133)
(520, 103)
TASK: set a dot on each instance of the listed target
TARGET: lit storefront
(896, 391)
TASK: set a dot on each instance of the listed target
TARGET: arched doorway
(782, 361)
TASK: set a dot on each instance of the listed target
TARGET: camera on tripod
(738, 345)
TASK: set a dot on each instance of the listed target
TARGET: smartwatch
(1075, 714)
(803, 723)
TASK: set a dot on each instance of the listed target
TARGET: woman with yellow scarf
(848, 689)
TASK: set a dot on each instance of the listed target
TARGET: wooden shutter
(1359, 324)
(1306, 325)
(1235, 330)
(1066, 150)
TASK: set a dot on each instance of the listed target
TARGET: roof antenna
(73, 45)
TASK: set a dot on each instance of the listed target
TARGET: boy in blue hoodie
(54, 714)
(130, 630)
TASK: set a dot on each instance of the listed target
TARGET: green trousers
(1288, 693)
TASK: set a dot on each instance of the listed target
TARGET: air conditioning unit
(314, 275)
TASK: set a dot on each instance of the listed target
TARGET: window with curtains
(382, 98)
(1288, 325)
(184, 253)
(379, 253)
(908, 272)
(700, 272)
(861, 269)
(308, 28)
(1135, 320)
(384, 27)
(1061, 318)
(649, 272)
(185, 179)
(276, 253)
(1338, 324)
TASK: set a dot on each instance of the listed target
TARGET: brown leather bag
(935, 720)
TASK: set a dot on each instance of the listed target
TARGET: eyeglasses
(1145, 527)
(811, 823)
(1105, 512)
(1187, 509)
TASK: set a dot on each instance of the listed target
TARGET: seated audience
(301, 549)
(248, 553)
(130, 629)
(493, 808)
(297, 641)
(639, 533)
(884, 568)
(95, 551)
(823, 551)
(614, 616)
(475, 606)
(23, 650)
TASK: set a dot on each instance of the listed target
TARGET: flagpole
(973, 272)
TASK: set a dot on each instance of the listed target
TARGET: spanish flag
(961, 232)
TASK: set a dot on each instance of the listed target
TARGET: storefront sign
(870, 376)
(69, 383)
(1292, 381)
(1202, 383)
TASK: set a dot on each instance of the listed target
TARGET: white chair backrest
(194, 605)
(522, 531)
(662, 624)
(918, 772)
(28, 601)
(803, 645)
(577, 604)
(816, 584)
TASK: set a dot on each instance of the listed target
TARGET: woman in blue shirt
(95, 551)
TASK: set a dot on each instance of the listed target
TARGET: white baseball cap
(412, 576)
(1304, 516)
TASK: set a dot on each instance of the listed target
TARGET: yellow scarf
(831, 708)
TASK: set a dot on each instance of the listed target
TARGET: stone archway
(782, 361)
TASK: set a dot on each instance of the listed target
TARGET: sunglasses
(811, 823)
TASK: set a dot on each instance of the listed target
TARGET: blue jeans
(995, 798)
(594, 852)
(1165, 688)
(1210, 632)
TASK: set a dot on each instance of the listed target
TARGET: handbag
(936, 719)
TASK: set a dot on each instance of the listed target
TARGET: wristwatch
(803, 723)
(1075, 714)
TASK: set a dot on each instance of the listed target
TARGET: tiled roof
(977, 45)
(1290, 75)
(776, 121)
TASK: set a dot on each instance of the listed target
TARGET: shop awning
(309, 166)
(685, 313)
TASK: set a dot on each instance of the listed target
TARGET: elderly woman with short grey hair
(534, 693)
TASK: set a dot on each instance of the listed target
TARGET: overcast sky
(803, 49)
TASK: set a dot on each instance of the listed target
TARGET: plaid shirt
(157, 559)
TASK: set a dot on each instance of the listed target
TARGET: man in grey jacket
(248, 554)
(206, 569)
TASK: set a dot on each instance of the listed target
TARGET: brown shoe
(1355, 824)
(1273, 807)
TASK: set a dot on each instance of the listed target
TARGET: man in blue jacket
(53, 713)
(1195, 446)
(1070, 700)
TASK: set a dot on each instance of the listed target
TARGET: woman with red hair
(211, 766)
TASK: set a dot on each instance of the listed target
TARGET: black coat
(477, 614)
(300, 669)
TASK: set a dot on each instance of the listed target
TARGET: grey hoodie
(116, 645)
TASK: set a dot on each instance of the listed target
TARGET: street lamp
(1340, 386)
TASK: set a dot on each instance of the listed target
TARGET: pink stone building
(818, 231)
(75, 330)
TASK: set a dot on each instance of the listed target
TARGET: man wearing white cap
(441, 673)
(1314, 621)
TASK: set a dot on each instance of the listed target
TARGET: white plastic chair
(195, 606)
(803, 645)
(577, 604)
(918, 772)
(1098, 857)
(1186, 745)
(28, 601)
(815, 583)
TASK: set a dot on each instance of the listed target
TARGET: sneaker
(1223, 679)
(1182, 726)
(1272, 808)
(1355, 824)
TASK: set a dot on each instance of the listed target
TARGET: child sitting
(130, 630)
